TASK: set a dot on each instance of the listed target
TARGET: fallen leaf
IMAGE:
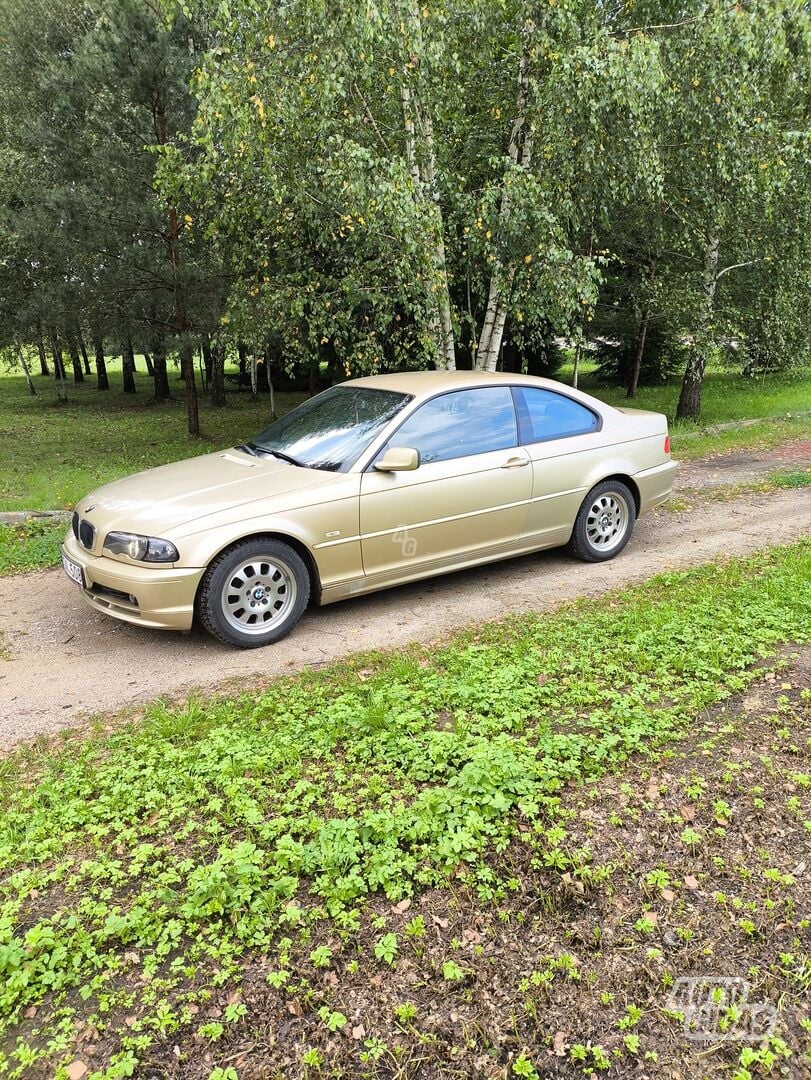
(130, 1020)
(440, 922)
(668, 895)
(358, 1032)
(559, 1044)
(404, 905)
(652, 917)
(691, 882)
(688, 812)
(295, 1008)
(76, 1070)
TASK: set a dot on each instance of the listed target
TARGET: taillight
(667, 444)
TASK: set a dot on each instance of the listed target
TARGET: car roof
(426, 383)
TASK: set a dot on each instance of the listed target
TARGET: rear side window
(543, 414)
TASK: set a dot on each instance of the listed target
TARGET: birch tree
(398, 181)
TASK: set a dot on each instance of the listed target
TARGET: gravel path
(66, 662)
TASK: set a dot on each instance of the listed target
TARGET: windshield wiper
(246, 449)
(259, 450)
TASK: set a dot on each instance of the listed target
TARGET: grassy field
(727, 397)
(50, 456)
(487, 859)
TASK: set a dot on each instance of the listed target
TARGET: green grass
(31, 545)
(139, 869)
(781, 402)
(727, 396)
(52, 455)
(697, 444)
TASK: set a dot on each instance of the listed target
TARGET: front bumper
(159, 597)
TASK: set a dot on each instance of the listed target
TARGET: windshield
(331, 430)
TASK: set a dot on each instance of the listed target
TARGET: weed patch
(141, 871)
(30, 545)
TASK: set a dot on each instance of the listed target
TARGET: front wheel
(254, 593)
(604, 522)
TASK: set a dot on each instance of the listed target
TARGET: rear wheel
(604, 522)
(254, 593)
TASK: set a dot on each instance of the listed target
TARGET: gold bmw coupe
(370, 484)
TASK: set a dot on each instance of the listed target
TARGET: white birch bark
(421, 160)
(31, 388)
(501, 279)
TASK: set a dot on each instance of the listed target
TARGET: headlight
(141, 548)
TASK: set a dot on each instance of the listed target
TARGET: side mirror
(398, 459)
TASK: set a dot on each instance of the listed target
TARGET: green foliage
(30, 545)
(162, 851)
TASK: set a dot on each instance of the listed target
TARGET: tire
(604, 522)
(253, 593)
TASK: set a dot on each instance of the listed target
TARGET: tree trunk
(208, 360)
(187, 370)
(102, 382)
(269, 369)
(417, 122)
(314, 378)
(150, 367)
(217, 378)
(689, 405)
(75, 358)
(172, 238)
(242, 353)
(578, 350)
(59, 368)
(43, 359)
(633, 382)
(87, 369)
(159, 371)
(501, 279)
(128, 366)
(26, 371)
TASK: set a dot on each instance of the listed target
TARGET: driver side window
(460, 424)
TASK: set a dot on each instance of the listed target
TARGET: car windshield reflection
(330, 431)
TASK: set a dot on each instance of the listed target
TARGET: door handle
(515, 463)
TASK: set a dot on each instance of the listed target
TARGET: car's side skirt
(361, 586)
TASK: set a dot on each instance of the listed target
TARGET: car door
(469, 495)
(563, 439)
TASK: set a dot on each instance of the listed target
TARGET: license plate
(73, 570)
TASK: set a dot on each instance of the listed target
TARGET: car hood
(162, 499)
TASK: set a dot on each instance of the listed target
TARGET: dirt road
(65, 661)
